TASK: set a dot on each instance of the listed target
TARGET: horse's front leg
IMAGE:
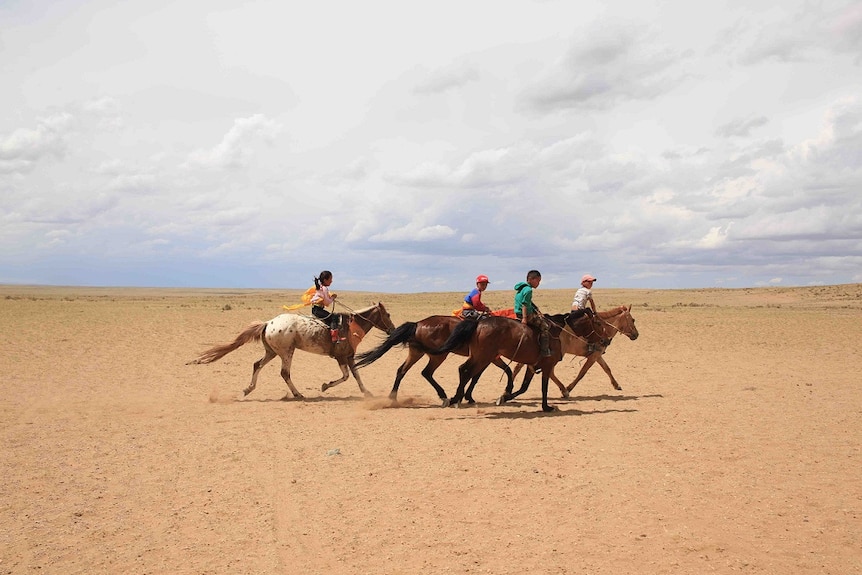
(563, 391)
(286, 360)
(345, 373)
(607, 369)
(585, 368)
(352, 365)
(545, 376)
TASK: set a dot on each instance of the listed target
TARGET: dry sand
(734, 446)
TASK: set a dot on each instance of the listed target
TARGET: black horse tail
(401, 335)
(459, 336)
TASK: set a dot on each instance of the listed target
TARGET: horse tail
(400, 336)
(253, 332)
(459, 336)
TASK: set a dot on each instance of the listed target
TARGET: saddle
(339, 330)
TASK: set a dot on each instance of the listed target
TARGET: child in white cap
(584, 294)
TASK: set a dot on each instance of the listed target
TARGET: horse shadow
(538, 413)
(306, 399)
(608, 397)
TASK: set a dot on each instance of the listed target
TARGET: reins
(606, 322)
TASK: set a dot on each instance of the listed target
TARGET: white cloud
(676, 146)
(235, 147)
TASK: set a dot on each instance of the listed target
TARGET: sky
(408, 147)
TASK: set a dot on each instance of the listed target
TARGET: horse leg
(465, 371)
(258, 365)
(473, 381)
(399, 375)
(563, 391)
(352, 365)
(607, 369)
(545, 376)
(345, 373)
(286, 360)
(434, 362)
(510, 375)
(584, 369)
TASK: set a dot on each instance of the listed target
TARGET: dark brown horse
(420, 337)
(497, 336)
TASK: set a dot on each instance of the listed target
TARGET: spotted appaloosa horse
(420, 337)
(616, 320)
(288, 332)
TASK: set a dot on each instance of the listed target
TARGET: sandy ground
(734, 446)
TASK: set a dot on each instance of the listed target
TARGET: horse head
(385, 321)
(626, 324)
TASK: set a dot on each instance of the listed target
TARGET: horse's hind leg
(286, 360)
(584, 369)
(258, 365)
(525, 385)
(466, 372)
(468, 396)
(434, 362)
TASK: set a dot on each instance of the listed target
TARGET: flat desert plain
(733, 447)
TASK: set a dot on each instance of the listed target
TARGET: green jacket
(524, 297)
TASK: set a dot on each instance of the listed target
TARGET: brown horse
(616, 320)
(420, 337)
(288, 332)
(498, 336)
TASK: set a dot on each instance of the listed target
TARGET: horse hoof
(367, 394)
(501, 400)
(548, 408)
(324, 387)
(566, 395)
(446, 402)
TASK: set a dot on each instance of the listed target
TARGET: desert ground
(734, 446)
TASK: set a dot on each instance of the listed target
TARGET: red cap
(482, 279)
(587, 278)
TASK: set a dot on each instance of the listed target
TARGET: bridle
(607, 323)
(569, 330)
(371, 321)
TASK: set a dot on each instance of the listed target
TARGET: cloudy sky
(410, 146)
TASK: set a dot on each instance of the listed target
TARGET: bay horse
(499, 336)
(420, 337)
(616, 320)
(288, 332)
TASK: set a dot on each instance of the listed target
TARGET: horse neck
(614, 317)
(364, 318)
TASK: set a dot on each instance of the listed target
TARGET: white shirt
(322, 297)
(581, 297)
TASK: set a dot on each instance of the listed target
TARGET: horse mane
(613, 312)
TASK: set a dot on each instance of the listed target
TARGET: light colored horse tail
(253, 332)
